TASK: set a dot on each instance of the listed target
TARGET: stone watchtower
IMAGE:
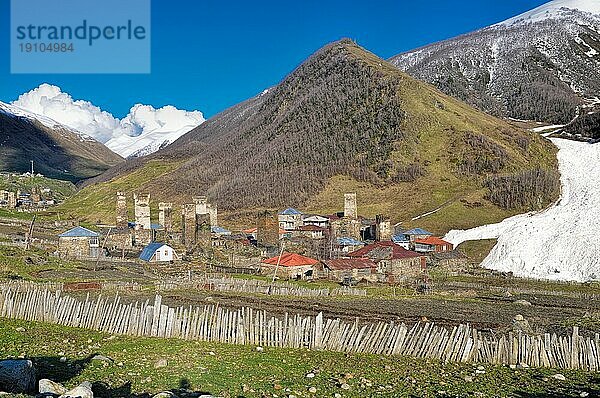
(142, 210)
(188, 225)
(165, 216)
(350, 208)
(122, 219)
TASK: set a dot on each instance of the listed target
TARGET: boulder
(84, 390)
(17, 376)
(46, 386)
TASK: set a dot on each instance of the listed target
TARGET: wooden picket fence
(203, 282)
(462, 343)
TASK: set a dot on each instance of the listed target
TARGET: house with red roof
(289, 266)
(342, 268)
(393, 260)
(432, 244)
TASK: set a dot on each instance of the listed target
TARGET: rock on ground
(84, 390)
(46, 386)
(17, 376)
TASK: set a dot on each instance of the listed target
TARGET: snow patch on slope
(560, 243)
(555, 10)
(144, 129)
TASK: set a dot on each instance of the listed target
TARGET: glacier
(561, 242)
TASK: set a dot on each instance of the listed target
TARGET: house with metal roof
(432, 244)
(341, 269)
(290, 219)
(79, 243)
(417, 233)
(393, 260)
(290, 266)
(347, 244)
(158, 252)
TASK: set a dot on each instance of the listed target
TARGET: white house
(158, 252)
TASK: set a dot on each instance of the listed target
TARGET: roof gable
(291, 260)
(79, 232)
(149, 250)
(417, 231)
(290, 211)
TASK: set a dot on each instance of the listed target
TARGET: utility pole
(276, 267)
(29, 236)
(32, 168)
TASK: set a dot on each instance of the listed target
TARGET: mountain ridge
(344, 119)
(543, 70)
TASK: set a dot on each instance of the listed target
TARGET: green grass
(60, 189)
(17, 263)
(241, 371)
(96, 203)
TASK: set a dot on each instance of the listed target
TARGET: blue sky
(209, 55)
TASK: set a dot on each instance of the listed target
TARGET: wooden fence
(248, 326)
(204, 282)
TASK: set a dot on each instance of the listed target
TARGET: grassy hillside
(343, 121)
(59, 189)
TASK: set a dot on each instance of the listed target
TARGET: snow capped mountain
(144, 130)
(560, 243)
(557, 9)
(542, 65)
(15, 111)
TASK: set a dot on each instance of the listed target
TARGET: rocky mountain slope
(542, 65)
(57, 151)
(345, 120)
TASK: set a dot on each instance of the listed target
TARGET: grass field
(242, 371)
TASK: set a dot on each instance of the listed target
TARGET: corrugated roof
(433, 240)
(345, 241)
(417, 231)
(219, 230)
(311, 228)
(149, 250)
(290, 211)
(397, 252)
(79, 232)
(349, 263)
(291, 260)
(400, 238)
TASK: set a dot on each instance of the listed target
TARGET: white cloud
(143, 128)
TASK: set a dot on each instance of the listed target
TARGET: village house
(402, 240)
(290, 219)
(342, 269)
(347, 245)
(290, 266)
(157, 253)
(79, 242)
(316, 220)
(312, 231)
(417, 233)
(432, 244)
(392, 260)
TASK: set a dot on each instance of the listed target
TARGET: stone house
(79, 242)
(432, 244)
(392, 260)
(316, 220)
(311, 231)
(343, 268)
(290, 266)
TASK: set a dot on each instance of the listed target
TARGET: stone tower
(12, 200)
(383, 228)
(122, 219)
(267, 229)
(165, 216)
(142, 210)
(201, 204)
(350, 209)
(188, 224)
(212, 212)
